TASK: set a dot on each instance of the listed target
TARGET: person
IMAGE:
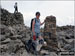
(36, 29)
(16, 8)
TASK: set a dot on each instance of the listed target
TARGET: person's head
(16, 3)
(37, 15)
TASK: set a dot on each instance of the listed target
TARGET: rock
(7, 40)
(11, 18)
(45, 52)
(13, 32)
(65, 37)
(15, 37)
(3, 29)
(50, 31)
(3, 48)
(2, 37)
(53, 54)
(67, 46)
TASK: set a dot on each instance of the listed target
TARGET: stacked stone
(11, 18)
(50, 31)
(13, 33)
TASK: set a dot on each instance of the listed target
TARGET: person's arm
(42, 22)
(33, 27)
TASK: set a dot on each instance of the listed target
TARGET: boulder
(50, 31)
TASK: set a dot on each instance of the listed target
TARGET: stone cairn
(13, 33)
(50, 32)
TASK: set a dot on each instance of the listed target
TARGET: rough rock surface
(64, 38)
(65, 35)
(50, 33)
(11, 18)
(13, 34)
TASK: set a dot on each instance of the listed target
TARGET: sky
(62, 10)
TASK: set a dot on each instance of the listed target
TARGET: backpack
(32, 23)
(30, 46)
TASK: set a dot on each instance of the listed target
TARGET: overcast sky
(62, 10)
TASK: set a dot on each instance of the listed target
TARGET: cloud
(62, 10)
(27, 17)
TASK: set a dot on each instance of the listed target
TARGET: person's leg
(41, 39)
(17, 9)
(35, 45)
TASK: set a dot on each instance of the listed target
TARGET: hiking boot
(41, 41)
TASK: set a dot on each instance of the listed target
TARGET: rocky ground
(13, 34)
(66, 38)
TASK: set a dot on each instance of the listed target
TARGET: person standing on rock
(16, 8)
(36, 29)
